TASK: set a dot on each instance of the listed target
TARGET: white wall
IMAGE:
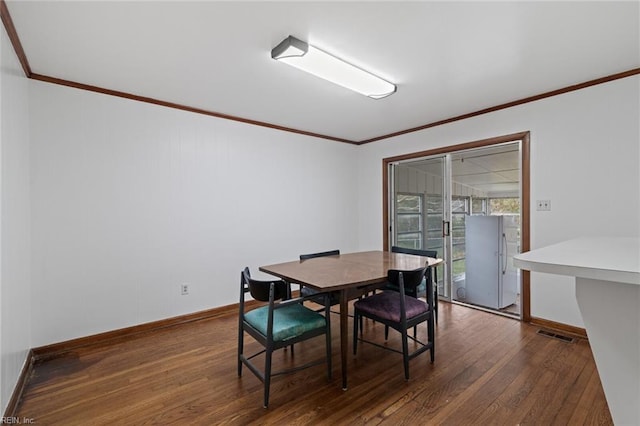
(584, 158)
(15, 247)
(129, 200)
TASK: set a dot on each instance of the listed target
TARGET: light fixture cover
(308, 58)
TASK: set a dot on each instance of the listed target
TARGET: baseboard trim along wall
(55, 350)
(23, 378)
(558, 326)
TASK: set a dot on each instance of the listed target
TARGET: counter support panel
(607, 272)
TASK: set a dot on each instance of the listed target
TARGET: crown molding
(82, 86)
(13, 37)
(22, 57)
(522, 101)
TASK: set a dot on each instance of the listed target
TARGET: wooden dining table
(351, 275)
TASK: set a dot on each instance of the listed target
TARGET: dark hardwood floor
(488, 370)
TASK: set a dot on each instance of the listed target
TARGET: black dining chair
(278, 324)
(432, 273)
(334, 297)
(320, 254)
(398, 310)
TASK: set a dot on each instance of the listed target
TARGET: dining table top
(329, 273)
(344, 273)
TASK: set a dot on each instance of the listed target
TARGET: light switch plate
(543, 205)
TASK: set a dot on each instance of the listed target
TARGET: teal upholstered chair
(278, 324)
(398, 310)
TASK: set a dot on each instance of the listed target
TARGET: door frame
(525, 193)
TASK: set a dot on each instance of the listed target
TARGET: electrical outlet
(543, 205)
(184, 289)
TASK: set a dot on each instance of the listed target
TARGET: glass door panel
(485, 219)
(419, 209)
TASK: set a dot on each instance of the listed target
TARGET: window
(508, 206)
(409, 220)
(434, 233)
(434, 223)
(479, 206)
(502, 206)
(459, 211)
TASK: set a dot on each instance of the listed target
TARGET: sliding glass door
(419, 213)
(465, 205)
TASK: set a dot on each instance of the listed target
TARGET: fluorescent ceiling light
(303, 56)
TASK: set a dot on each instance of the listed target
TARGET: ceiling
(447, 58)
(493, 170)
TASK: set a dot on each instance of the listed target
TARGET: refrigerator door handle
(504, 254)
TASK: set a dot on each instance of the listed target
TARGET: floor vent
(566, 339)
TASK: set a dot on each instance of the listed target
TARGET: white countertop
(608, 259)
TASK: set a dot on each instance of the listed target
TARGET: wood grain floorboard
(488, 370)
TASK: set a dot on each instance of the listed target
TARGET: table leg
(344, 335)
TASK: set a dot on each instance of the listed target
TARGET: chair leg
(435, 293)
(240, 351)
(328, 348)
(386, 332)
(432, 339)
(356, 319)
(267, 377)
(405, 354)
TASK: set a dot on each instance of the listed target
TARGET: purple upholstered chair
(398, 310)
(431, 274)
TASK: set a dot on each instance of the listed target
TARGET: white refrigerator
(490, 280)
